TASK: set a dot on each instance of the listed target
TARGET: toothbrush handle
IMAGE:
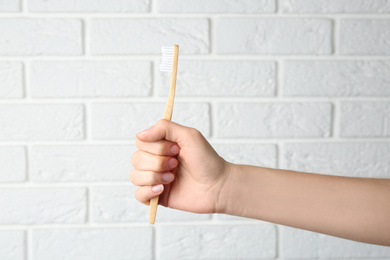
(167, 115)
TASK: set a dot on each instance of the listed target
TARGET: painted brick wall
(294, 84)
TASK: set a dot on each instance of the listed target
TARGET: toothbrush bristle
(167, 58)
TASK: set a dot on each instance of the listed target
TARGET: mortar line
(157, 100)
(155, 15)
(155, 79)
(336, 35)
(140, 224)
(278, 10)
(203, 57)
(336, 119)
(212, 36)
(279, 71)
(216, 140)
(213, 120)
(155, 245)
(88, 208)
(279, 155)
(28, 244)
(153, 7)
(85, 37)
(23, 7)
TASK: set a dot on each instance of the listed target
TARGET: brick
(364, 36)
(123, 121)
(66, 79)
(91, 244)
(41, 122)
(217, 242)
(12, 245)
(301, 244)
(251, 154)
(365, 119)
(33, 36)
(11, 78)
(118, 205)
(248, 120)
(13, 164)
(273, 36)
(336, 78)
(10, 6)
(346, 159)
(146, 36)
(42, 205)
(216, 6)
(81, 163)
(113, 6)
(334, 6)
(222, 78)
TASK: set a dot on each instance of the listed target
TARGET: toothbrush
(170, 57)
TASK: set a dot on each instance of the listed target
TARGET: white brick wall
(66, 79)
(113, 6)
(364, 36)
(205, 78)
(11, 78)
(139, 36)
(41, 122)
(219, 242)
(273, 36)
(42, 205)
(46, 36)
(12, 245)
(94, 243)
(13, 164)
(273, 120)
(300, 244)
(294, 84)
(336, 78)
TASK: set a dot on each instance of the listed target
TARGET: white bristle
(167, 58)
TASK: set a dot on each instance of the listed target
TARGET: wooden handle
(167, 115)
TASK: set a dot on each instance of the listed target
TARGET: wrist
(225, 197)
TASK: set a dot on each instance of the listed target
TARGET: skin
(203, 182)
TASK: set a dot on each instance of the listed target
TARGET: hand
(178, 163)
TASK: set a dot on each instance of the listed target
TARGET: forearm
(352, 208)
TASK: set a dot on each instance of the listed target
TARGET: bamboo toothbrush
(170, 57)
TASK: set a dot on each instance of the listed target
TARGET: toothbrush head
(167, 58)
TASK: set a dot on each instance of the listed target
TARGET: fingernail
(175, 149)
(157, 188)
(172, 163)
(167, 176)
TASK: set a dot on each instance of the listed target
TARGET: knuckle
(162, 123)
(194, 133)
(135, 159)
(161, 162)
(138, 195)
(153, 179)
(132, 177)
(138, 143)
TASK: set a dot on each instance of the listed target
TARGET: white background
(293, 84)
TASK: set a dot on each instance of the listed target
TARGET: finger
(149, 162)
(164, 129)
(146, 193)
(162, 147)
(143, 178)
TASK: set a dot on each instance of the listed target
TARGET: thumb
(164, 129)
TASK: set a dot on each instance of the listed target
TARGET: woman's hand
(178, 163)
